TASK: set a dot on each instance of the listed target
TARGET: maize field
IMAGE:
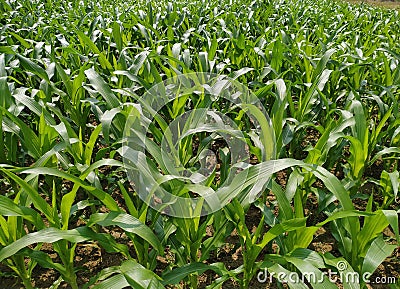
(199, 144)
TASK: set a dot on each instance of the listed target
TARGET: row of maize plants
(73, 73)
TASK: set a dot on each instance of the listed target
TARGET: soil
(390, 4)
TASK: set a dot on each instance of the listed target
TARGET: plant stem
(193, 281)
(22, 272)
(27, 282)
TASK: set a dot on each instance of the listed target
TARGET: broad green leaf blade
(37, 200)
(345, 269)
(129, 224)
(31, 66)
(376, 254)
(104, 197)
(313, 275)
(102, 87)
(49, 235)
(129, 274)
(9, 208)
(393, 218)
(177, 275)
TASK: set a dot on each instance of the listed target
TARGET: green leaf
(26, 135)
(102, 87)
(129, 224)
(373, 227)
(105, 64)
(104, 197)
(129, 274)
(31, 66)
(392, 217)
(312, 274)
(9, 208)
(279, 229)
(37, 200)
(376, 254)
(7, 50)
(344, 268)
(176, 275)
(49, 235)
(117, 36)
